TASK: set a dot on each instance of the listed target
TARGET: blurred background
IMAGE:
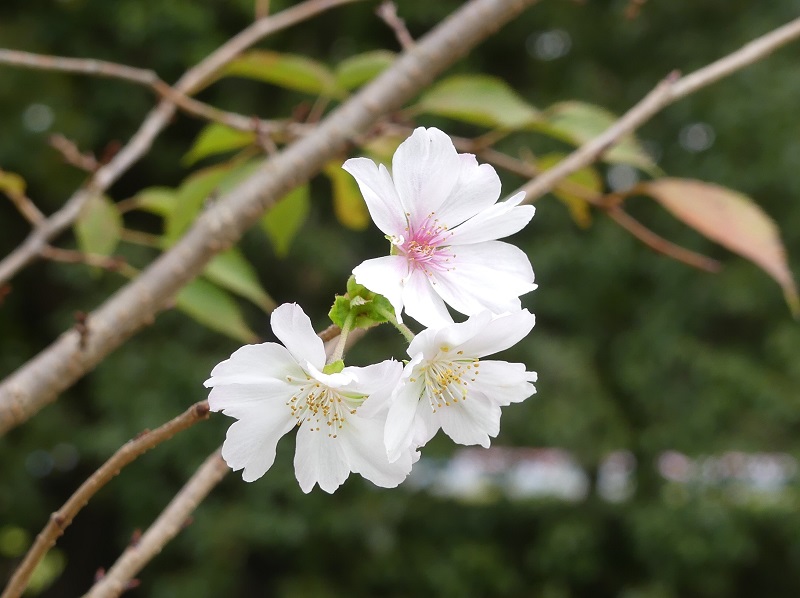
(659, 457)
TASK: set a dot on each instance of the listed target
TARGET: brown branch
(387, 11)
(191, 82)
(660, 244)
(61, 519)
(171, 521)
(134, 306)
(669, 90)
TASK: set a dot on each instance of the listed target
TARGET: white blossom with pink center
(440, 211)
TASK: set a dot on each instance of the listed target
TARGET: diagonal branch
(134, 306)
(163, 529)
(669, 90)
(61, 519)
(158, 118)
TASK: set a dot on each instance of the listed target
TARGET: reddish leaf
(731, 219)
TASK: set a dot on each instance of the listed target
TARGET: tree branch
(669, 90)
(57, 367)
(164, 528)
(191, 82)
(61, 519)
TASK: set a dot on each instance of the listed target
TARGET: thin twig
(387, 11)
(669, 90)
(23, 203)
(71, 154)
(145, 77)
(191, 82)
(112, 263)
(61, 519)
(134, 306)
(171, 521)
(660, 244)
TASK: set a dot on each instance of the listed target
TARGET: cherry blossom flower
(439, 209)
(271, 388)
(447, 385)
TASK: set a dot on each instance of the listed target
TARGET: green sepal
(333, 368)
(366, 306)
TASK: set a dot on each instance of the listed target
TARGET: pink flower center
(424, 246)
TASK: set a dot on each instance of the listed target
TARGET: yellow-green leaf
(480, 100)
(353, 72)
(348, 204)
(574, 189)
(99, 226)
(289, 71)
(233, 272)
(214, 308)
(284, 219)
(731, 219)
(11, 184)
(217, 139)
(578, 122)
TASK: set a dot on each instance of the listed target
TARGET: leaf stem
(338, 352)
(390, 317)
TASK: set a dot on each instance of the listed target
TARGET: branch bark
(191, 82)
(169, 523)
(57, 367)
(669, 90)
(61, 519)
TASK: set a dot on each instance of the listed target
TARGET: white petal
(426, 423)
(471, 421)
(250, 442)
(379, 193)
(229, 398)
(293, 328)
(503, 332)
(477, 188)
(319, 459)
(384, 275)
(399, 430)
(504, 382)
(423, 303)
(336, 380)
(449, 340)
(490, 275)
(376, 379)
(425, 168)
(362, 442)
(252, 364)
(497, 221)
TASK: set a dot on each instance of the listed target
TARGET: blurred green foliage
(634, 351)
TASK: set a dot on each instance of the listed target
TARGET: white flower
(439, 209)
(446, 384)
(270, 388)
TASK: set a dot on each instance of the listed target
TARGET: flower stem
(404, 330)
(338, 352)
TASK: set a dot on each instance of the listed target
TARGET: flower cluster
(439, 209)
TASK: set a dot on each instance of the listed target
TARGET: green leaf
(214, 308)
(348, 204)
(289, 71)
(99, 226)
(233, 272)
(339, 310)
(480, 100)
(578, 122)
(284, 219)
(731, 219)
(572, 190)
(156, 200)
(369, 307)
(11, 184)
(353, 72)
(199, 187)
(216, 139)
